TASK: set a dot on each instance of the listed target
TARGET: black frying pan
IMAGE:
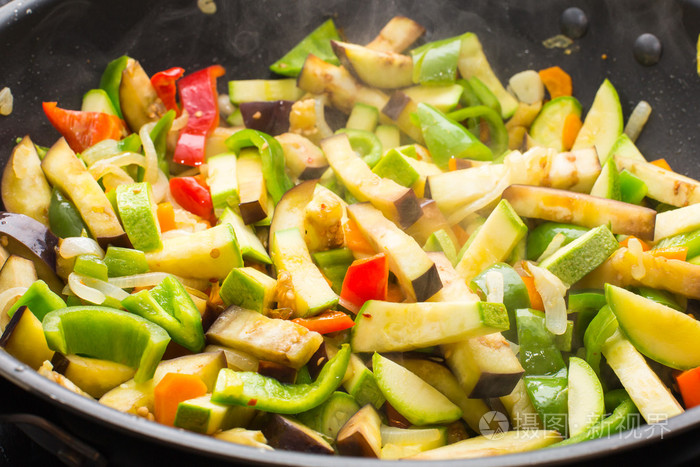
(56, 50)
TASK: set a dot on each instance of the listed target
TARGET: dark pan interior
(56, 50)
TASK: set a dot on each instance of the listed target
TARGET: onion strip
(75, 246)
(150, 173)
(150, 279)
(552, 290)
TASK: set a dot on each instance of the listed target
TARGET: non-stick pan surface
(56, 50)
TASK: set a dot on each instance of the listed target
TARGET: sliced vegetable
(83, 129)
(164, 84)
(170, 391)
(169, 305)
(199, 99)
(366, 279)
(108, 334)
(262, 393)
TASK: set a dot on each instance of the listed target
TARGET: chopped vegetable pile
(234, 265)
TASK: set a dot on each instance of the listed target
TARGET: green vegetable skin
(317, 43)
(170, 306)
(64, 219)
(446, 138)
(268, 394)
(272, 156)
(108, 334)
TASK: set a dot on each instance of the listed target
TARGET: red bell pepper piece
(192, 195)
(164, 84)
(84, 129)
(199, 98)
(329, 321)
(689, 386)
(366, 279)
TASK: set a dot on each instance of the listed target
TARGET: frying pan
(56, 50)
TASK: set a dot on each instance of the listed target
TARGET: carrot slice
(689, 386)
(625, 243)
(672, 252)
(173, 389)
(661, 163)
(355, 240)
(557, 81)
(166, 216)
(572, 125)
(535, 298)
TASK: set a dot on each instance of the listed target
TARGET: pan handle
(67, 448)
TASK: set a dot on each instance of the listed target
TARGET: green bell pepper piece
(485, 95)
(159, 136)
(498, 132)
(170, 306)
(585, 304)
(303, 376)
(267, 394)
(614, 398)
(125, 261)
(538, 353)
(436, 62)
(632, 188)
(541, 236)
(334, 265)
(515, 294)
(91, 265)
(111, 79)
(549, 396)
(272, 155)
(599, 330)
(317, 43)
(64, 218)
(40, 300)
(624, 417)
(691, 240)
(364, 143)
(108, 334)
(446, 138)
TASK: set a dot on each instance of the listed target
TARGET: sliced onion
(120, 160)
(323, 128)
(106, 288)
(180, 122)
(79, 288)
(638, 118)
(161, 188)
(75, 246)
(148, 279)
(552, 290)
(494, 285)
(226, 108)
(556, 243)
(116, 177)
(637, 270)
(6, 101)
(150, 173)
(151, 279)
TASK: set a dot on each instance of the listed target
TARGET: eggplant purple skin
(282, 433)
(30, 233)
(269, 117)
(12, 325)
(28, 238)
